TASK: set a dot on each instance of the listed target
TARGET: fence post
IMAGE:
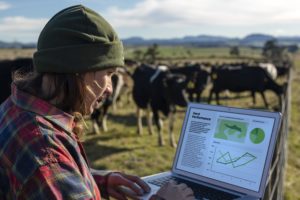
(275, 182)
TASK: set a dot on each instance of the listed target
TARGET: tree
(234, 51)
(151, 54)
(137, 54)
(275, 53)
(270, 49)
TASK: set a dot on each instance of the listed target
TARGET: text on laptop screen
(226, 147)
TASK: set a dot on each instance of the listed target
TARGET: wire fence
(275, 182)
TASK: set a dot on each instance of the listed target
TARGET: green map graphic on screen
(231, 130)
(257, 135)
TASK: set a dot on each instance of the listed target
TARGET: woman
(40, 124)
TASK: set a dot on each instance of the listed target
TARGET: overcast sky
(22, 20)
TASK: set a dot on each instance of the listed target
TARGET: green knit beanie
(77, 40)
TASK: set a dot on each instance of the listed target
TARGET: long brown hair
(70, 87)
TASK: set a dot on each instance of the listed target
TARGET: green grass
(292, 182)
(187, 53)
(123, 150)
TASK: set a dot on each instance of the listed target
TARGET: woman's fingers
(182, 186)
(137, 180)
(174, 191)
(189, 191)
(186, 190)
(118, 179)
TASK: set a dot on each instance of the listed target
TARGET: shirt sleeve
(55, 181)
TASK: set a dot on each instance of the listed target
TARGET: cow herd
(160, 89)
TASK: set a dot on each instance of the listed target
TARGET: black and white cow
(197, 79)
(159, 90)
(284, 69)
(270, 68)
(239, 79)
(6, 69)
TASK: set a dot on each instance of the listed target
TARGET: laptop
(223, 152)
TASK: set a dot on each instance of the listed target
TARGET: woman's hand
(121, 186)
(174, 191)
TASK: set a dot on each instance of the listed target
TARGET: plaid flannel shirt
(40, 157)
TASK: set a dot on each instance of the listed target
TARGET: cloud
(19, 23)
(4, 5)
(179, 13)
(18, 27)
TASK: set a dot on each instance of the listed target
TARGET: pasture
(180, 53)
(121, 149)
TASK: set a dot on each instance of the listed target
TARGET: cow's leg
(264, 98)
(280, 100)
(104, 123)
(149, 121)
(210, 95)
(95, 121)
(159, 124)
(217, 97)
(171, 128)
(191, 96)
(253, 97)
(114, 105)
(139, 121)
(104, 118)
(95, 127)
(198, 97)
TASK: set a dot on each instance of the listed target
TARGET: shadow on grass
(128, 120)
(112, 134)
(96, 151)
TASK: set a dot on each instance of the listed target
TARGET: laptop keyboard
(200, 191)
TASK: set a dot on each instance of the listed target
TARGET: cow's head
(174, 86)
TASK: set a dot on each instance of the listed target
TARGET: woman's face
(98, 85)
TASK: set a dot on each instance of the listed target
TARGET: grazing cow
(126, 89)
(6, 69)
(283, 69)
(197, 79)
(99, 116)
(162, 91)
(253, 79)
(270, 68)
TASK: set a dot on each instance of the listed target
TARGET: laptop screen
(226, 146)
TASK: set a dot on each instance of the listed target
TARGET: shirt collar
(40, 107)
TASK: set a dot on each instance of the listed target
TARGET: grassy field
(122, 149)
(174, 54)
(292, 183)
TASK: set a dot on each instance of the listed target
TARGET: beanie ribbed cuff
(79, 58)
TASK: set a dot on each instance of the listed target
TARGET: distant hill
(201, 40)
(17, 45)
(252, 40)
(255, 40)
